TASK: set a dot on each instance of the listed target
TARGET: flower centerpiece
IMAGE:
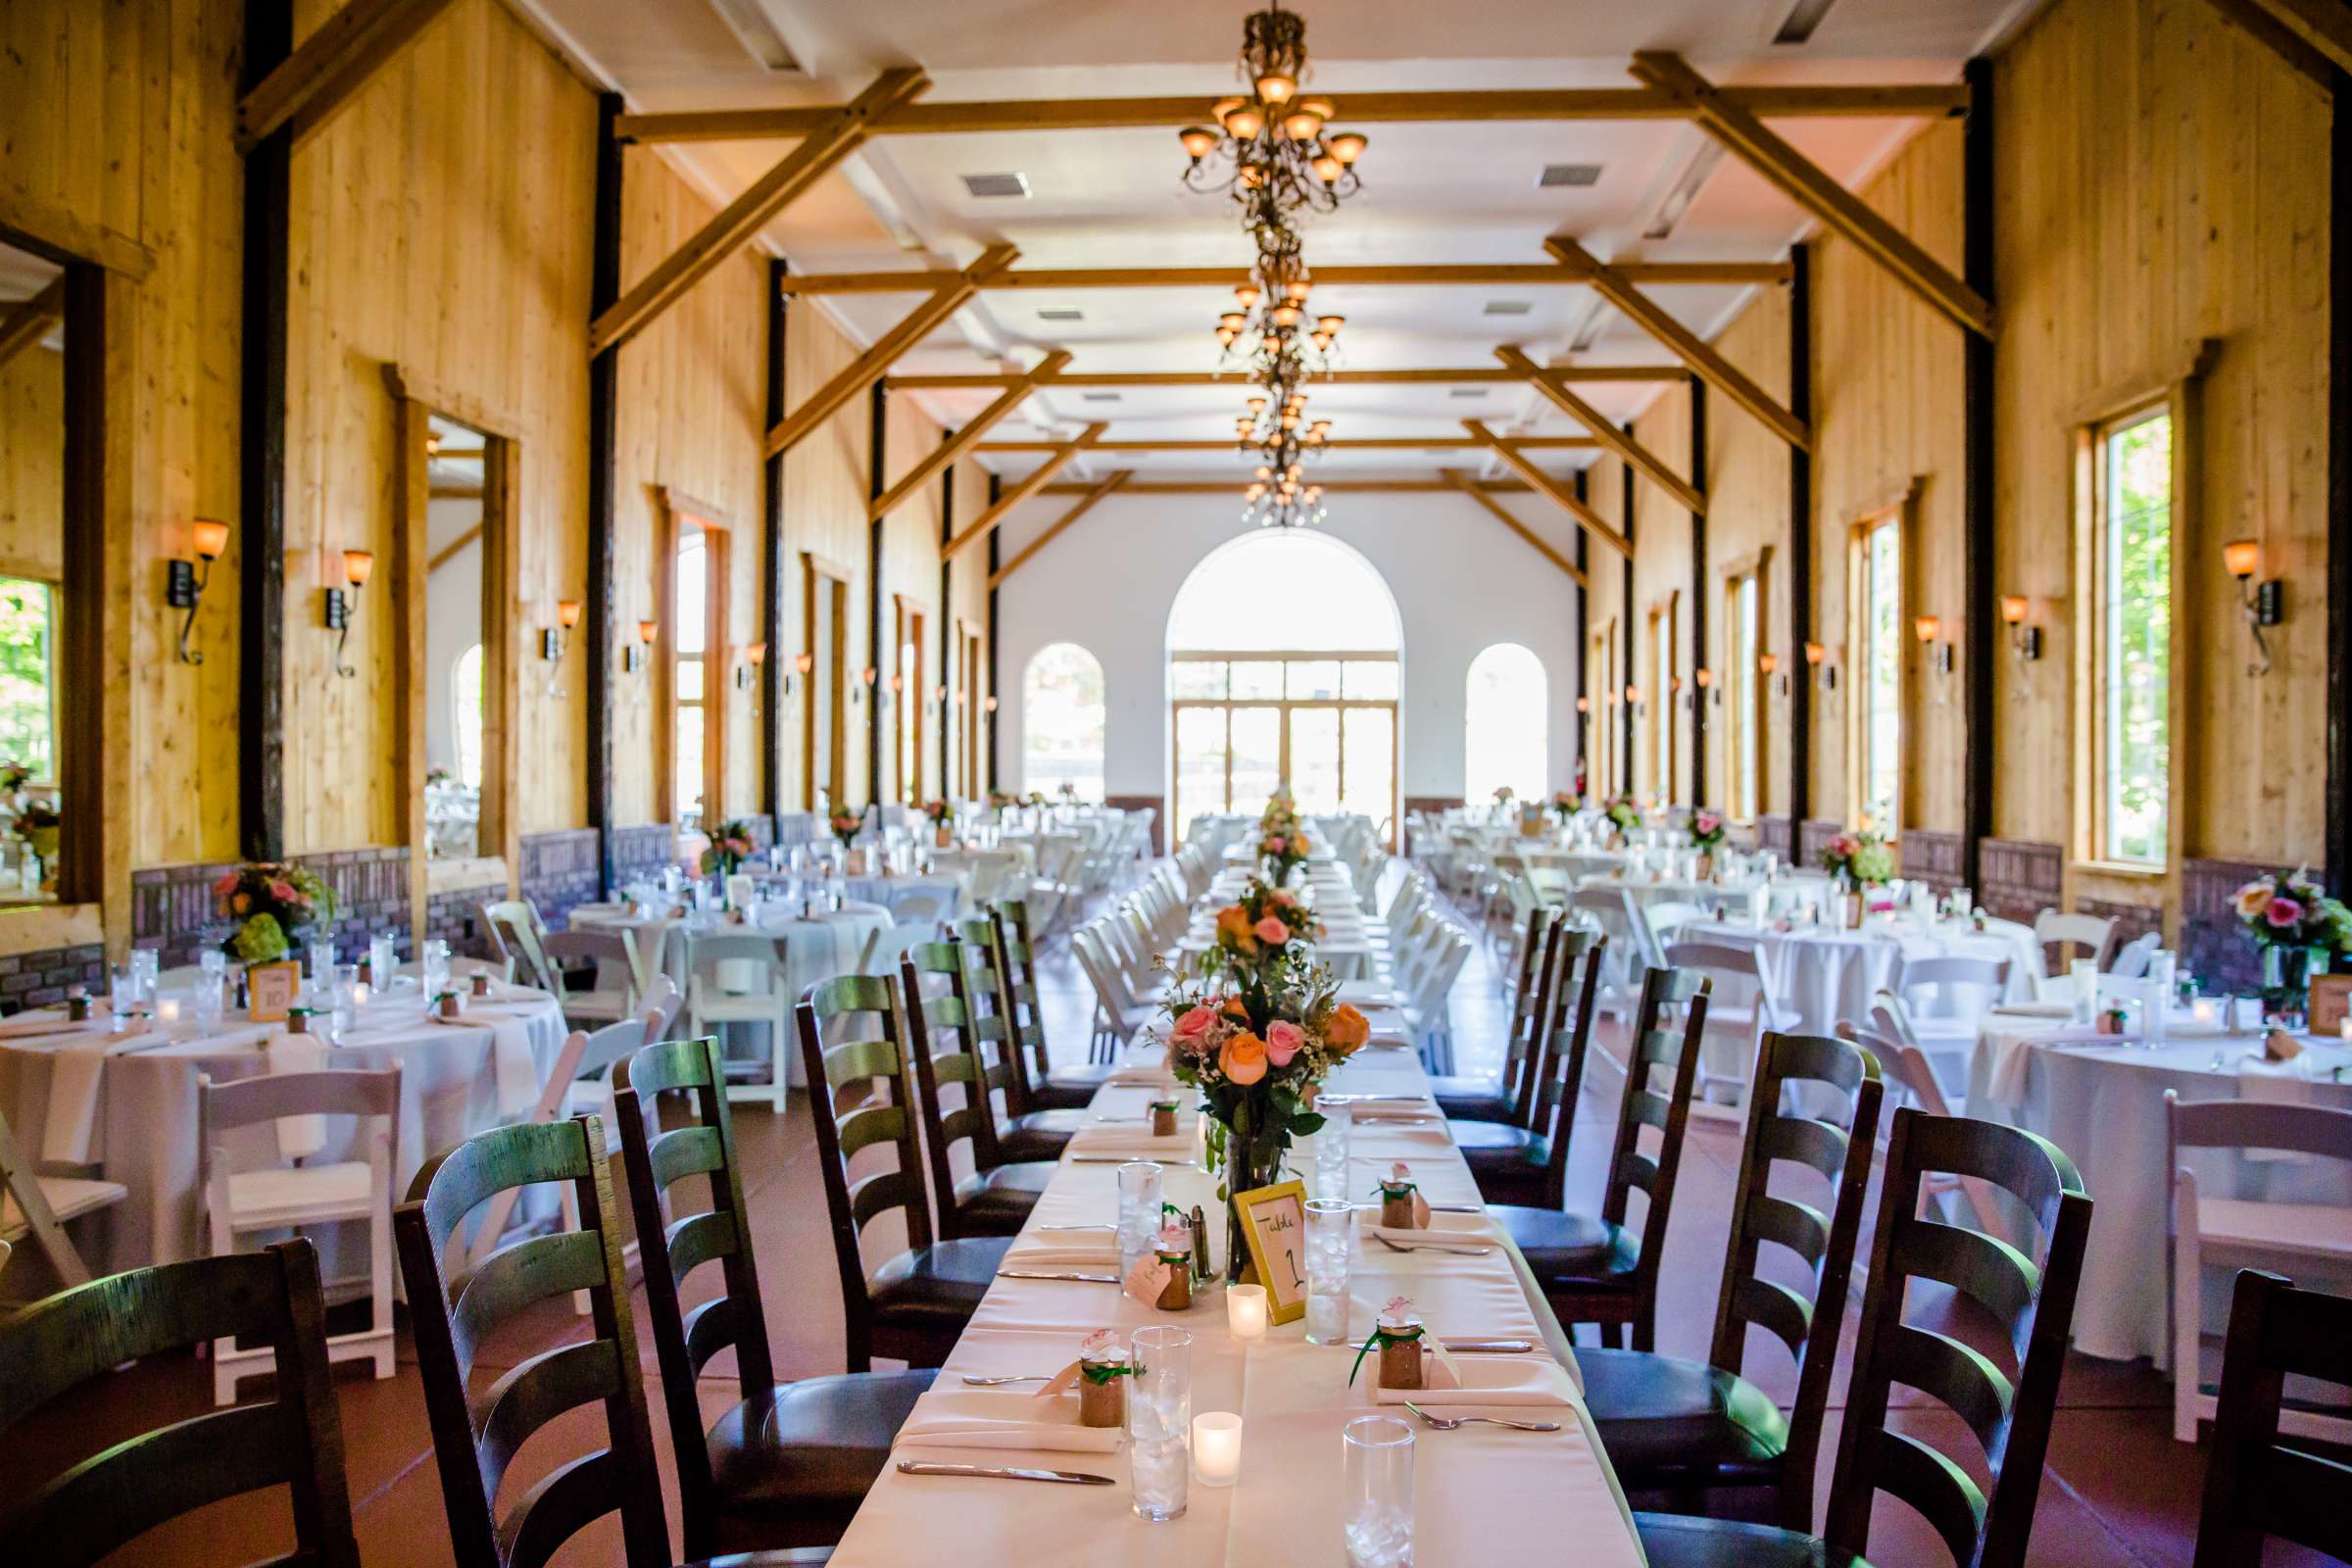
(1707, 829)
(1623, 813)
(274, 904)
(1283, 853)
(1267, 926)
(1255, 1033)
(14, 776)
(942, 816)
(1563, 805)
(1858, 856)
(2297, 929)
(1503, 795)
(730, 847)
(845, 825)
(999, 802)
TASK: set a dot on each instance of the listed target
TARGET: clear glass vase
(2286, 972)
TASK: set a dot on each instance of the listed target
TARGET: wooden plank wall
(33, 457)
(1661, 583)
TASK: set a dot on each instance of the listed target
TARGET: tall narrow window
(1875, 611)
(29, 676)
(465, 709)
(690, 646)
(1659, 699)
(1504, 728)
(2133, 554)
(1744, 644)
(907, 692)
(1600, 725)
(1061, 721)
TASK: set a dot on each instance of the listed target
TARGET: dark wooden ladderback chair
(1050, 1088)
(1602, 1269)
(1024, 1132)
(71, 1340)
(786, 1465)
(1525, 1161)
(1560, 1076)
(473, 1440)
(915, 1305)
(1683, 1426)
(2258, 1485)
(997, 1199)
(1502, 1098)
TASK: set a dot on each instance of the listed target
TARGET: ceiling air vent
(1099, 396)
(1509, 307)
(1803, 18)
(1061, 314)
(1569, 174)
(1467, 392)
(997, 186)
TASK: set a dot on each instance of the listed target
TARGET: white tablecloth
(1825, 975)
(2103, 1103)
(1481, 1495)
(140, 1122)
(889, 892)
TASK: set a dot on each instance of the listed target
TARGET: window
(2132, 588)
(1660, 699)
(1504, 729)
(1875, 631)
(689, 672)
(909, 693)
(1600, 723)
(466, 709)
(1744, 608)
(824, 627)
(1061, 721)
(28, 675)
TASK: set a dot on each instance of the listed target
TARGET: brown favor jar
(1177, 1295)
(1104, 1402)
(1164, 1118)
(1401, 1361)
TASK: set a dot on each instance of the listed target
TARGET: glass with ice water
(1331, 1145)
(1140, 1188)
(1159, 1421)
(1376, 1491)
(1330, 1263)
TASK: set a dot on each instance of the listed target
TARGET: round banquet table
(130, 1109)
(1826, 975)
(2102, 1102)
(889, 892)
(1730, 900)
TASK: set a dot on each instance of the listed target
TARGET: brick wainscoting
(2021, 877)
(1811, 835)
(171, 905)
(1771, 833)
(1933, 857)
(39, 979)
(560, 870)
(639, 852)
(454, 915)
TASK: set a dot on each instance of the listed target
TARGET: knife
(1038, 1274)
(1073, 1478)
(1487, 1347)
(1129, 1159)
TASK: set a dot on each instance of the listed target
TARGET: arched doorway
(1504, 724)
(1061, 721)
(1283, 664)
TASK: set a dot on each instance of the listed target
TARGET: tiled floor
(2117, 1490)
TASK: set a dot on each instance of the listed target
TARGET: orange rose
(1234, 1009)
(1346, 1030)
(1244, 1058)
(1233, 930)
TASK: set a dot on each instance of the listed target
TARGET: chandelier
(1276, 144)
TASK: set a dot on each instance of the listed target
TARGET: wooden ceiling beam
(1536, 274)
(27, 321)
(844, 131)
(1604, 432)
(2272, 24)
(1930, 99)
(1548, 487)
(1466, 375)
(1462, 482)
(1361, 487)
(1086, 504)
(870, 366)
(1687, 346)
(966, 437)
(986, 523)
(1385, 443)
(330, 65)
(1804, 183)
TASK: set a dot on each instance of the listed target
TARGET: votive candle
(2344, 1030)
(1218, 1447)
(1246, 1313)
(2201, 1011)
(167, 1010)
(359, 993)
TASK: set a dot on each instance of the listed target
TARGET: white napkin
(55, 1027)
(2033, 1010)
(2005, 1083)
(987, 1418)
(298, 1137)
(1058, 1253)
(74, 1076)
(1135, 1142)
(1488, 1380)
(2280, 1082)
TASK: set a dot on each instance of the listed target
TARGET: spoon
(1449, 1423)
(1430, 1246)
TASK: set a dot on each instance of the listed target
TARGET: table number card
(270, 989)
(2330, 994)
(1274, 1225)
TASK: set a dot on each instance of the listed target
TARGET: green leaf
(1306, 1124)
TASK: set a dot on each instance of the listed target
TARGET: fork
(991, 1383)
(1431, 1246)
(1448, 1423)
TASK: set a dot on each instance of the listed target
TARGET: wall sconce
(1769, 666)
(633, 657)
(1583, 704)
(1705, 679)
(552, 640)
(1939, 655)
(753, 656)
(2265, 602)
(184, 585)
(1633, 698)
(2025, 641)
(865, 683)
(357, 567)
(990, 705)
(1824, 674)
(802, 665)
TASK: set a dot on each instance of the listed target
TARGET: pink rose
(283, 892)
(1399, 1173)
(225, 886)
(2284, 914)
(1193, 1029)
(1175, 1238)
(1274, 933)
(1284, 1040)
(1274, 845)
(1096, 1343)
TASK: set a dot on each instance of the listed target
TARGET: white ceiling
(1432, 193)
(24, 274)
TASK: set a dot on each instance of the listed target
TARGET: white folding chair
(515, 932)
(2131, 960)
(41, 1203)
(1908, 1072)
(1667, 917)
(2247, 1233)
(1944, 1000)
(885, 945)
(1117, 1013)
(741, 978)
(663, 1003)
(618, 986)
(1741, 1005)
(1632, 952)
(2051, 928)
(297, 1196)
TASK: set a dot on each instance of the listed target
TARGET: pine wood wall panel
(2185, 199)
(441, 223)
(1747, 520)
(1886, 407)
(692, 418)
(1661, 585)
(824, 513)
(910, 573)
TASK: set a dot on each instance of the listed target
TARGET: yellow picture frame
(270, 989)
(1274, 1228)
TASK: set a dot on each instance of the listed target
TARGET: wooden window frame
(498, 838)
(2177, 390)
(829, 675)
(1741, 686)
(1900, 513)
(910, 622)
(717, 656)
(1601, 696)
(1665, 613)
(1285, 704)
(969, 681)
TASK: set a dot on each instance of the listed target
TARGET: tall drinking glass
(382, 959)
(1159, 1421)
(432, 967)
(145, 966)
(1331, 1145)
(1141, 1184)
(1330, 1261)
(1376, 1491)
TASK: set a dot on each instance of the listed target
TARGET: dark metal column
(262, 455)
(946, 624)
(604, 449)
(1979, 593)
(772, 589)
(1800, 556)
(1698, 598)
(877, 434)
(1626, 761)
(996, 490)
(2339, 489)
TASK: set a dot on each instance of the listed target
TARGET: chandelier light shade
(1276, 143)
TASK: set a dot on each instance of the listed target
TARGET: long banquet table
(1482, 1495)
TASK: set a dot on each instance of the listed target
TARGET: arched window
(1061, 721)
(466, 715)
(1270, 685)
(1504, 725)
